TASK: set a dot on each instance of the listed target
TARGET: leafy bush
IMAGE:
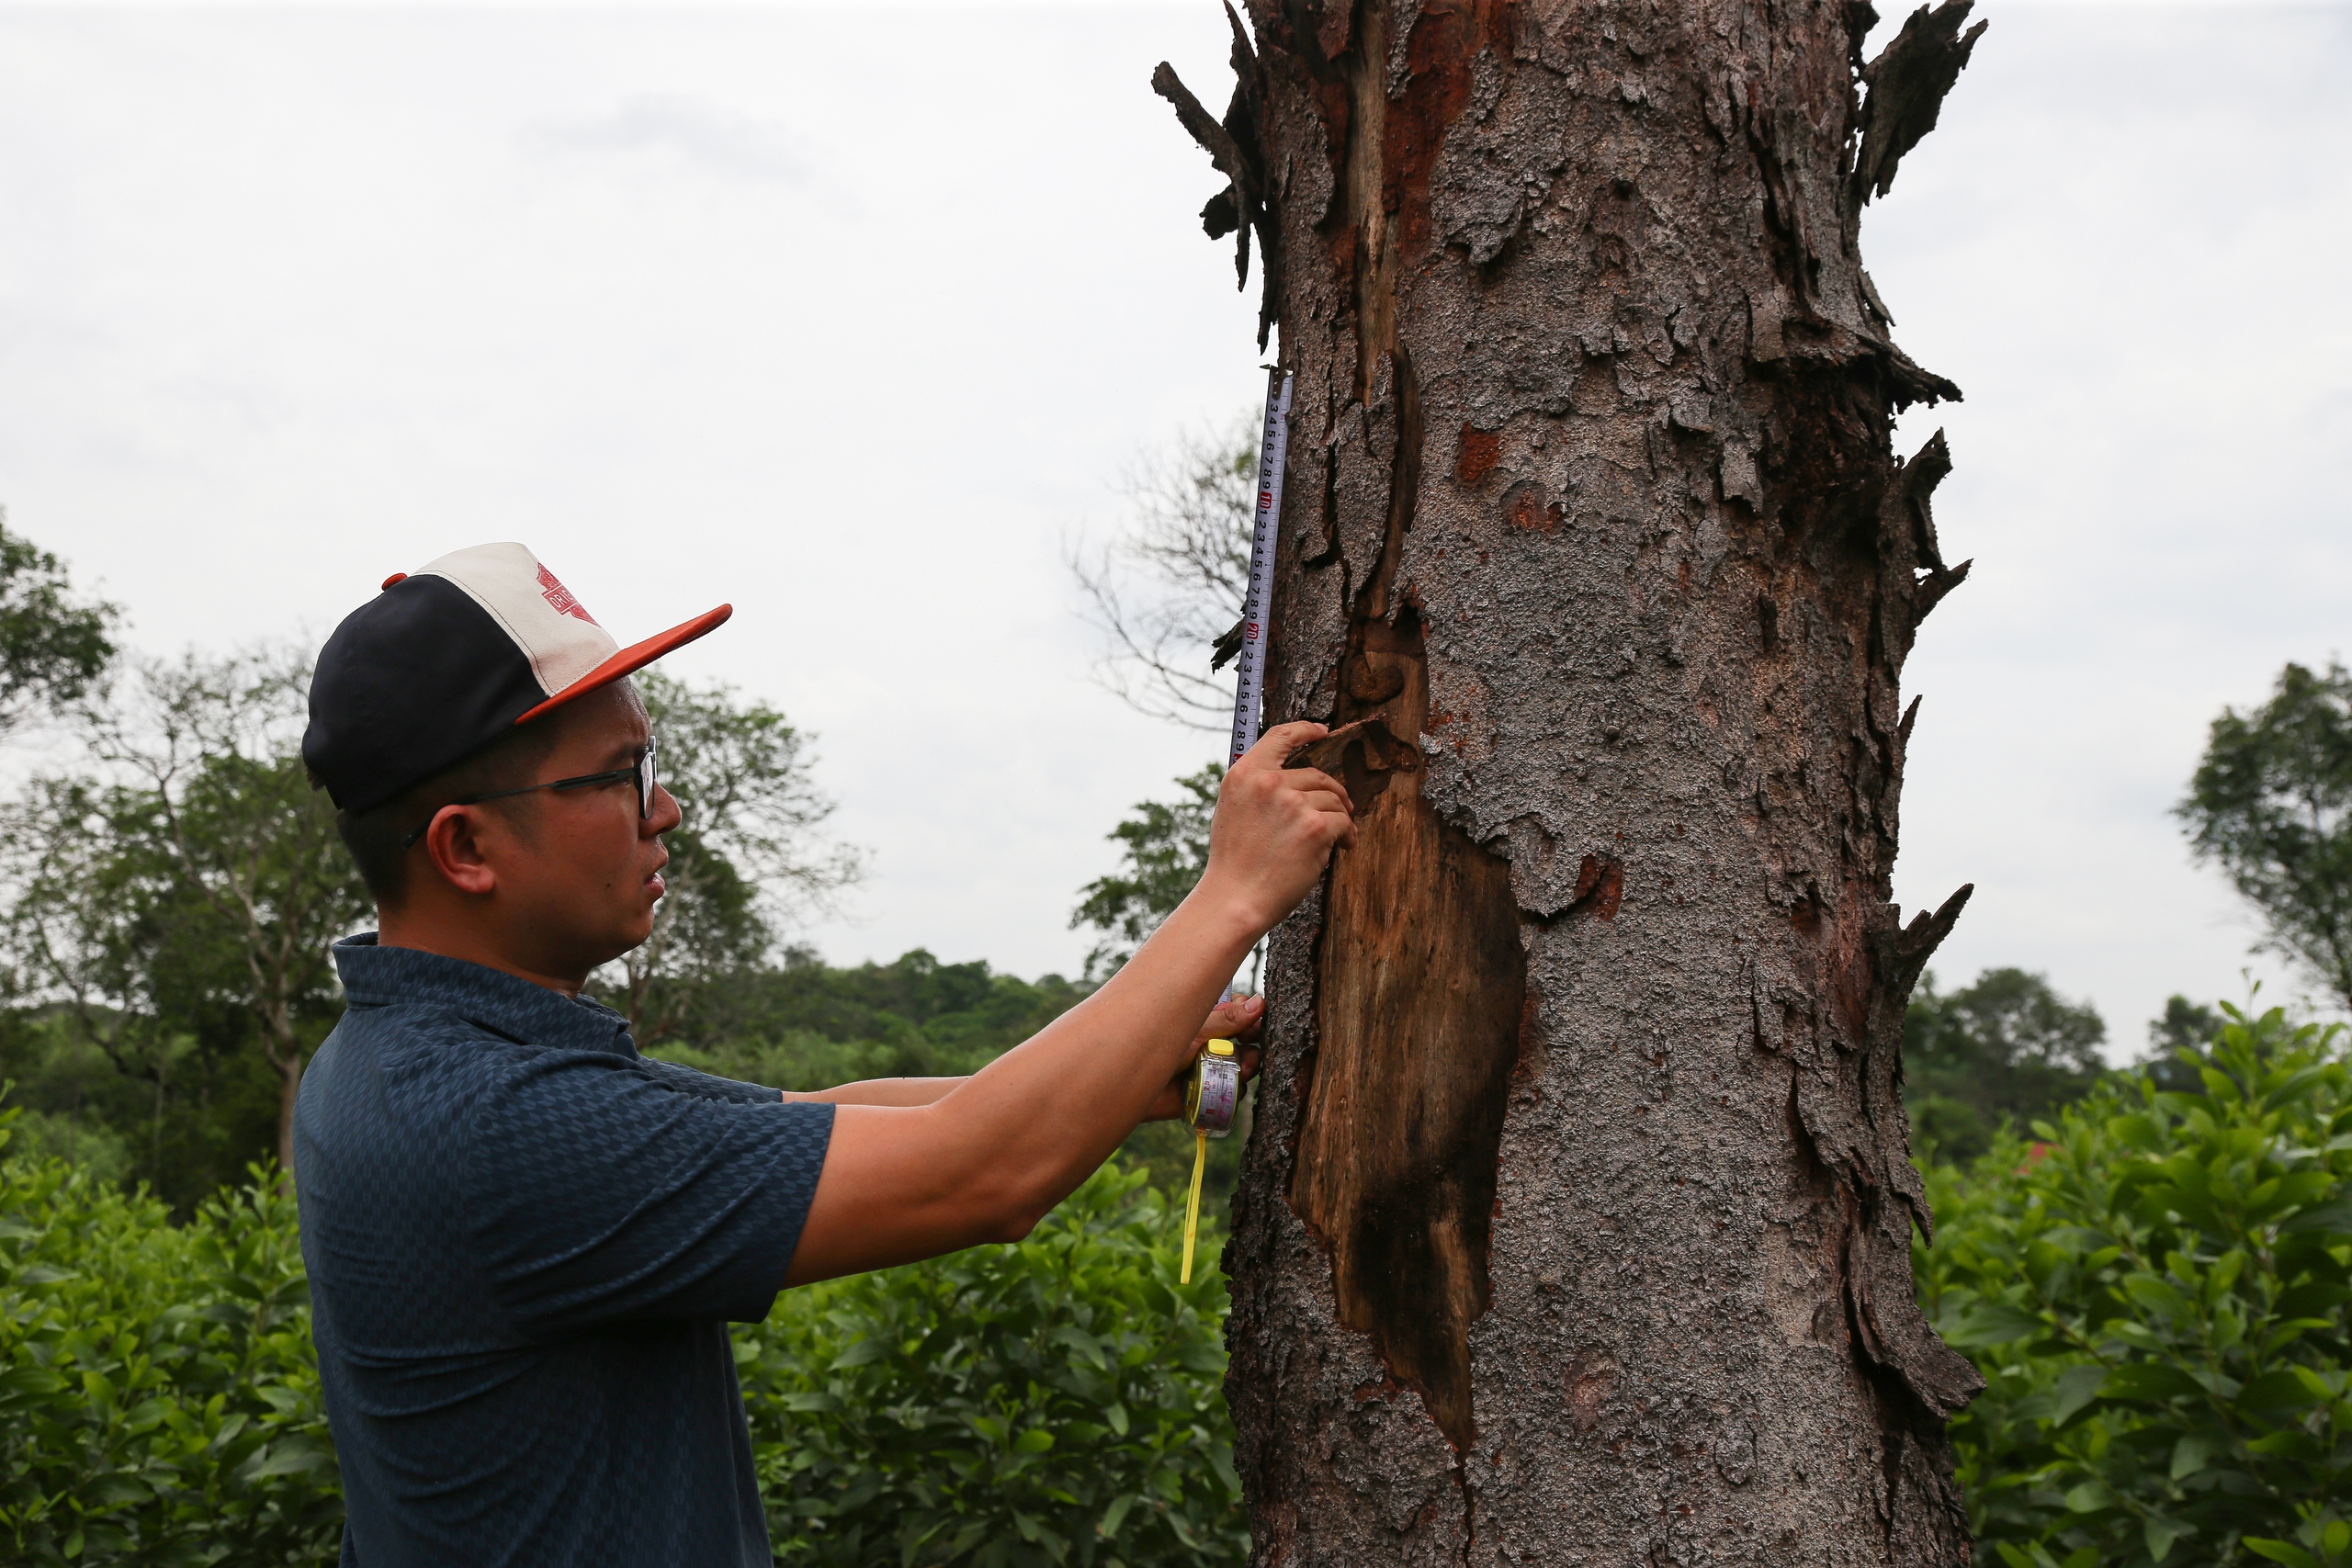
(159, 1403)
(92, 1148)
(1051, 1402)
(2155, 1293)
(1054, 1401)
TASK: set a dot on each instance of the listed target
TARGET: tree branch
(1215, 139)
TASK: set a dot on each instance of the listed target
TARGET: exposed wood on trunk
(1419, 988)
(1576, 1223)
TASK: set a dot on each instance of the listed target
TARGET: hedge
(1054, 1401)
(2154, 1291)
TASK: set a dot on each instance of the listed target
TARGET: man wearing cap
(525, 1239)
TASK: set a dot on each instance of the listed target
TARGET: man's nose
(667, 813)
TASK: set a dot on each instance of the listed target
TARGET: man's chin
(623, 941)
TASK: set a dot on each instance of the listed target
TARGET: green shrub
(1052, 1401)
(2156, 1295)
(89, 1146)
(158, 1399)
(1055, 1401)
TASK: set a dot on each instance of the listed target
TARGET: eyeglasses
(641, 770)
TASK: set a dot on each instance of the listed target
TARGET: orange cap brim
(635, 656)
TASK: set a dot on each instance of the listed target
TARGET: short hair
(374, 836)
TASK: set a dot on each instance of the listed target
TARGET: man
(525, 1239)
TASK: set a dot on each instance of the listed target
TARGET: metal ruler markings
(1249, 697)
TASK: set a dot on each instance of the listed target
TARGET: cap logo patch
(557, 595)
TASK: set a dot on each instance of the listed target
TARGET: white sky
(853, 316)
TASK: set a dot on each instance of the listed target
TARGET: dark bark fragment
(1908, 83)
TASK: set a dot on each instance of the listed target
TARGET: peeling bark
(1575, 1226)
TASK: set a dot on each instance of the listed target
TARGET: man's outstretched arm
(1236, 1020)
(989, 1158)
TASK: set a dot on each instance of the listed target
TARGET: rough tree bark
(1576, 1225)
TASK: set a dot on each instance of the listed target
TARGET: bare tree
(750, 859)
(1576, 1226)
(195, 868)
(1165, 590)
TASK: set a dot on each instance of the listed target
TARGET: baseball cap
(448, 657)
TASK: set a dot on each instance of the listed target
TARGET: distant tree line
(167, 898)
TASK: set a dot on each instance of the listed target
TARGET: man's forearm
(986, 1162)
(986, 1159)
(878, 1091)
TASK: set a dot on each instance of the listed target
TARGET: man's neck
(460, 940)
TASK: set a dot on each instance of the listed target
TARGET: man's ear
(460, 857)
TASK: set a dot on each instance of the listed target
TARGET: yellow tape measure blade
(1193, 1204)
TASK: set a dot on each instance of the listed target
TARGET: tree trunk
(283, 1052)
(290, 1089)
(1576, 1226)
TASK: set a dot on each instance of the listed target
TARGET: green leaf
(2279, 1552)
(1036, 1441)
(2159, 1536)
(2076, 1387)
(30, 1381)
(2158, 1298)
(1991, 1323)
(2327, 1219)
(1116, 1515)
(2283, 1390)
(286, 1461)
(2150, 1380)
(2090, 1498)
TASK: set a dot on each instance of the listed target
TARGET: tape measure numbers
(1273, 446)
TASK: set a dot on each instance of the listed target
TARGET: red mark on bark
(1526, 506)
(1590, 1377)
(1601, 887)
(1445, 42)
(1481, 450)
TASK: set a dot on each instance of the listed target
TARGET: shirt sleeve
(603, 1194)
(687, 1080)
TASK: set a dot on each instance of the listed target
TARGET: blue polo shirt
(525, 1242)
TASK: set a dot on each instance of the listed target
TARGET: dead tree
(1577, 1222)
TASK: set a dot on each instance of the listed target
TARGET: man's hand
(1237, 1020)
(1274, 829)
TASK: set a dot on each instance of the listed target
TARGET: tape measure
(1211, 1094)
(1273, 446)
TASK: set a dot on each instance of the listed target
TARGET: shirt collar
(376, 975)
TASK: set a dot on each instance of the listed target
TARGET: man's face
(581, 871)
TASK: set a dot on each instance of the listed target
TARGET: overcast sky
(853, 315)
